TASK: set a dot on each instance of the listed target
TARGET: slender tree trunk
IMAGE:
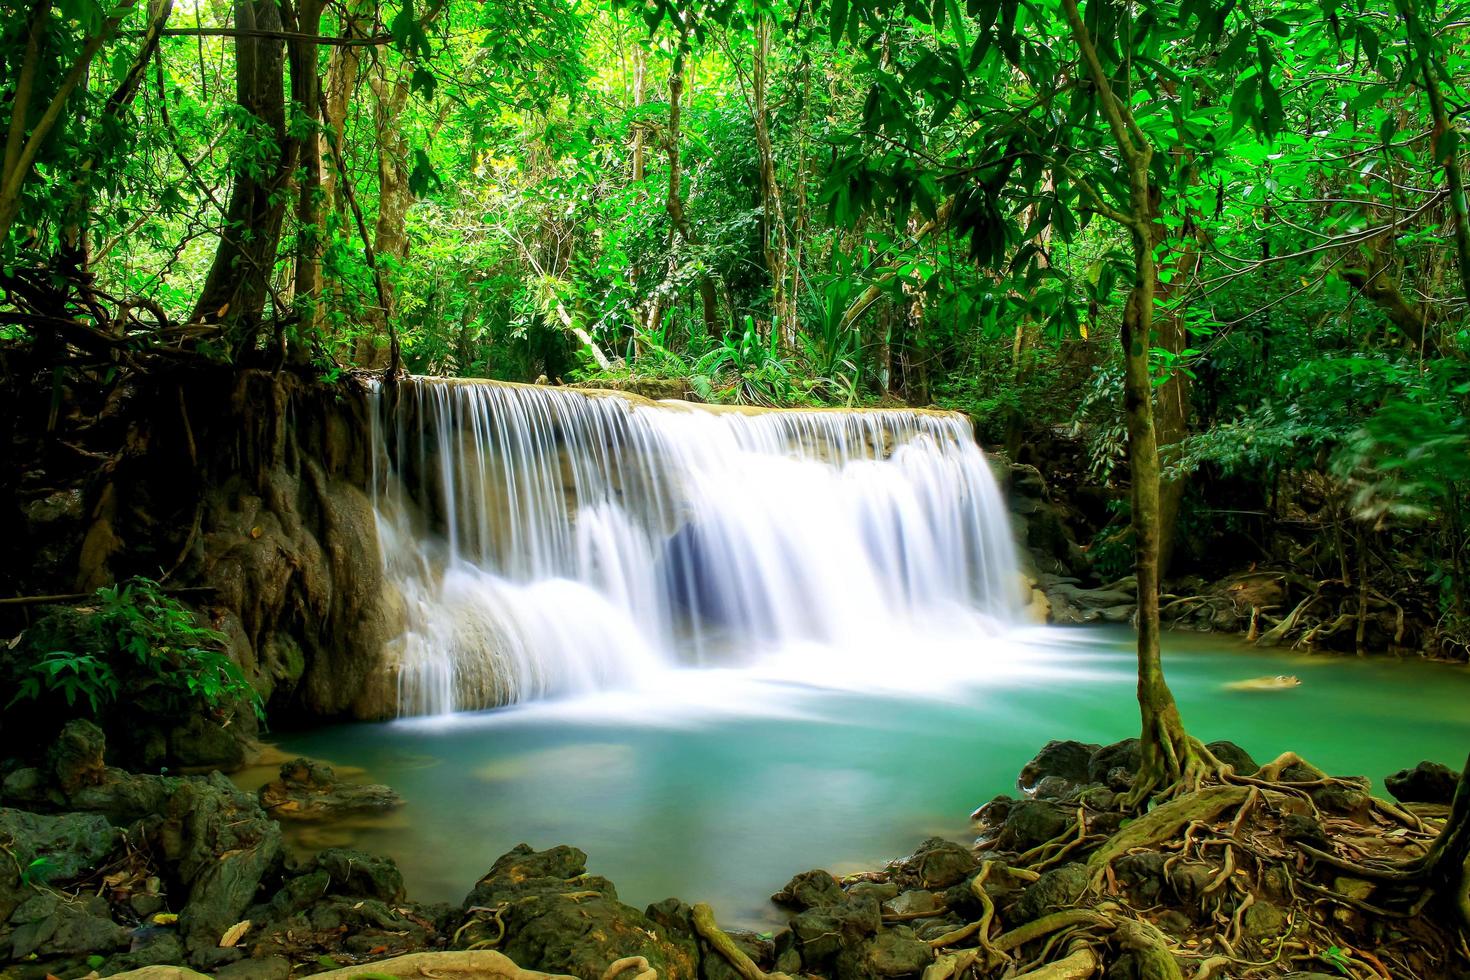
(1430, 69)
(1449, 855)
(239, 280)
(674, 203)
(23, 144)
(306, 99)
(1169, 756)
(773, 220)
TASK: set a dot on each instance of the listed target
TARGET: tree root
(645, 972)
(704, 924)
(1164, 822)
(1079, 965)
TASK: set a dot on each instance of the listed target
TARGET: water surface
(718, 785)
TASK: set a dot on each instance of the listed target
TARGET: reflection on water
(717, 785)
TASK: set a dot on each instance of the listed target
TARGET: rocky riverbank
(111, 872)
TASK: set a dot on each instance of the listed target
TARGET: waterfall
(548, 541)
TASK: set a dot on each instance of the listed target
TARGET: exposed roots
(704, 924)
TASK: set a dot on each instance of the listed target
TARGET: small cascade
(549, 541)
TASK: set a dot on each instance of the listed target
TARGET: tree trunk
(773, 219)
(674, 203)
(1170, 758)
(239, 280)
(1449, 856)
(306, 96)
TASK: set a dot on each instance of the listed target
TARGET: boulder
(76, 758)
(56, 847)
(939, 863)
(1056, 889)
(1067, 760)
(808, 889)
(561, 920)
(1428, 782)
(1106, 762)
(1237, 757)
(50, 924)
(308, 790)
(823, 932)
(1030, 823)
(223, 844)
(894, 952)
(359, 875)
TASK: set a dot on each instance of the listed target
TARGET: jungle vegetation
(1204, 238)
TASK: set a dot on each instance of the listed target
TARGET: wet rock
(561, 920)
(1263, 921)
(308, 790)
(895, 952)
(1056, 889)
(152, 946)
(939, 863)
(1067, 760)
(1343, 800)
(1234, 756)
(882, 891)
(49, 924)
(1304, 829)
(1428, 782)
(223, 845)
(822, 932)
(808, 889)
(991, 815)
(262, 968)
(1031, 823)
(1142, 873)
(1106, 761)
(123, 797)
(202, 743)
(1053, 788)
(76, 758)
(912, 902)
(356, 874)
(64, 844)
(1189, 879)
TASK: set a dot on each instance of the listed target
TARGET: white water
(547, 542)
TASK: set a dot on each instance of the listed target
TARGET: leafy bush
(138, 646)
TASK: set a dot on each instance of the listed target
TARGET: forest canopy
(844, 202)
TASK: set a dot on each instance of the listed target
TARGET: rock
(67, 844)
(262, 968)
(1428, 782)
(49, 924)
(808, 889)
(202, 743)
(1343, 800)
(1263, 921)
(355, 874)
(123, 797)
(76, 758)
(1067, 760)
(939, 863)
(1053, 788)
(1031, 823)
(1124, 755)
(822, 932)
(991, 815)
(882, 891)
(894, 952)
(1142, 873)
(561, 920)
(1056, 889)
(151, 946)
(1305, 829)
(912, 902)
(1235, 756)
(30, 787)
(223, 844)
(1189, 879)
(308, 790)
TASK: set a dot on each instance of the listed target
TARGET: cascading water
(550, 541)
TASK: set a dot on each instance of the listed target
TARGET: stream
(718, 784)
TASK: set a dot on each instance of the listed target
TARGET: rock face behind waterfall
(248, 490)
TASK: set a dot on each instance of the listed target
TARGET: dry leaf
(234, 934)
(165, 918)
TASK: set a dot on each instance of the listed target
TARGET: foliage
(142, 647)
